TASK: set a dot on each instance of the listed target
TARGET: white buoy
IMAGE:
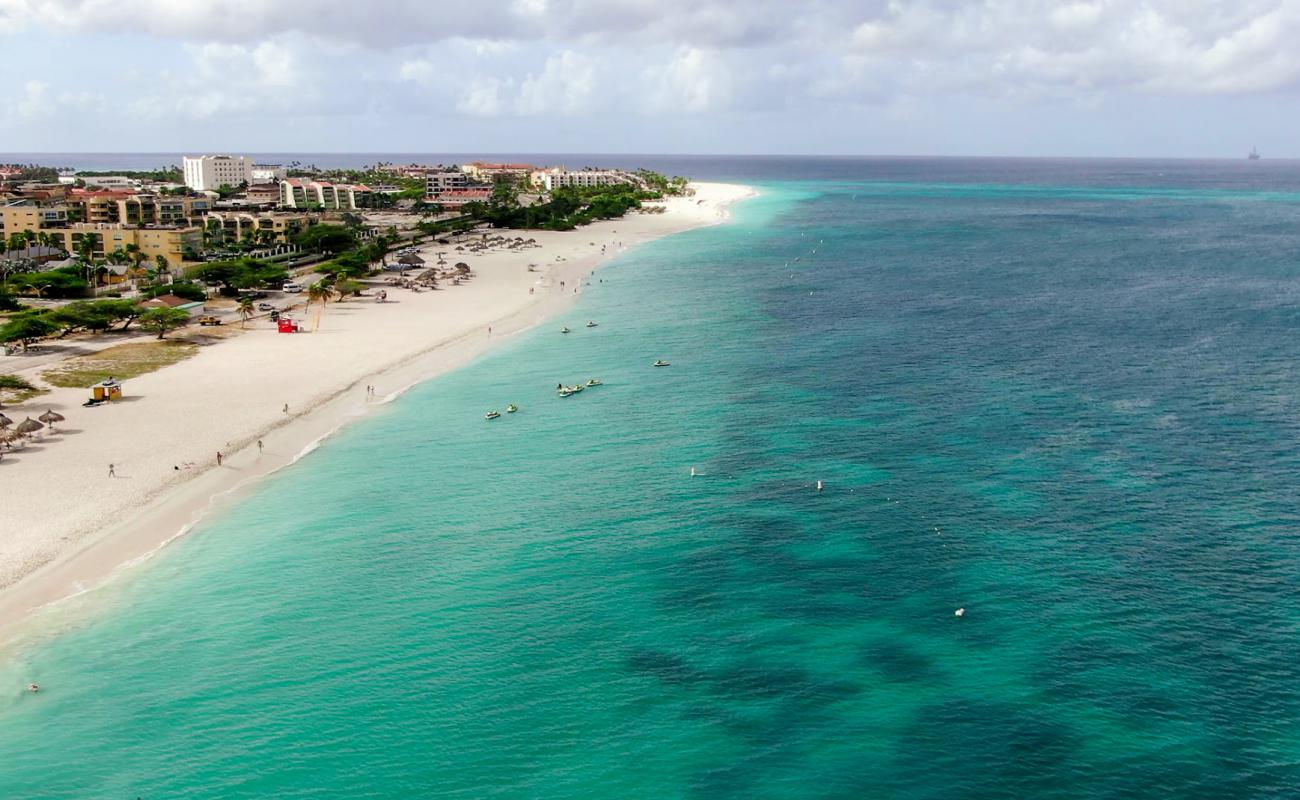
(692, 472)
(819, 486)
(961, 612)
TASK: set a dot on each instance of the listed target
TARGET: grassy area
(16, 390)
(122, 362)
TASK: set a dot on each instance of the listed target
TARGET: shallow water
(1064, 405)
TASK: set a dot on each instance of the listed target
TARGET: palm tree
(318, 292)
(161, 269)
(245, 309)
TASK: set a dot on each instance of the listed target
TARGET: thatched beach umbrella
(411, 260)
(462, 267)
(50, 417)
(28, 425)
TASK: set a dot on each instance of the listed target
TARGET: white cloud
(483, 98)
(694, 81)
(565, 86)
(35, 102)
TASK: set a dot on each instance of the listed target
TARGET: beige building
(136, 209)
(301, 193)
(170, 242)
(486, 172)
(266, 226)
(550, 179)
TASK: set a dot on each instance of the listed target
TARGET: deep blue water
(1060, 395)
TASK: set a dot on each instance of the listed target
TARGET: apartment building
(555, 178)
(264, 227)
(267, 173)
(170, 242)
(304, 193)
(209, 173)
(436, 183)
(486, 172)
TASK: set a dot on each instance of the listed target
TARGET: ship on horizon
(1254, 154)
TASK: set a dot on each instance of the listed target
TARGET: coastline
(76, 553)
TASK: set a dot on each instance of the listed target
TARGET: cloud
(694, 81)
(565, 86)
(35, 102)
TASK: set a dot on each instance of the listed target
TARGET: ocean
(1061, 396)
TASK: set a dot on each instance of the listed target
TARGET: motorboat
(594, 382)
(565, 392)
(662, 363)
(512, 408)
(564, 329)
(591, 324)
(576, 388)
(492, 415)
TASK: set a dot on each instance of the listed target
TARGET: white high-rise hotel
(208, 173)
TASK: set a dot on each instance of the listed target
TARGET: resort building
(267, 173)
(261, 227)
(263, 194)
(135, 209)
(485, 172)
(209, 173)
(456, 199)
(555, 178)
(58, 225)
(303, 193)
(435, 183)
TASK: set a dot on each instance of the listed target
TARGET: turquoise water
(1070, 411)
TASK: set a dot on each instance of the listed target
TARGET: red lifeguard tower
(287, 325)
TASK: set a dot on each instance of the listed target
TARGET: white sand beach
(67, 525)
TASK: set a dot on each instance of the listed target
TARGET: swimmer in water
(33, 688)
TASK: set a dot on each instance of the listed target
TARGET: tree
(326, 239)
(318, 292)
(27, 328)
(346, 287)
(160, 269)
(163, 320)
(245, 310)
(85, 247)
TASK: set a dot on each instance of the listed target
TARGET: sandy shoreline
(68, 527)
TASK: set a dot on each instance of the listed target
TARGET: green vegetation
(187, 289)
(121, 361)
(566, 209)
(171, 174)
(62, 282)
(326, 238)
(14, 389)
(27, 328)
(162, 320)
(662, 184)
(94, 315)
(231, 276)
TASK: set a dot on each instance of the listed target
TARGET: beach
(263, 400)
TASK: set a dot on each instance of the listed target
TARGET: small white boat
(576, 388)
(662, 363)
(492, 415)
(594, 382)
(591, 324)
(564, 329)
(512, 408)
(565, 392)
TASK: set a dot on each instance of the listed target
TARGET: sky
(1141, 78)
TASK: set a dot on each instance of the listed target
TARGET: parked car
(291, 288)
(208, 319)
(265, 307)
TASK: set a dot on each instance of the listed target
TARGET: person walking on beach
(286, 408)
(111, 472)
(219, 457)
(259, 447)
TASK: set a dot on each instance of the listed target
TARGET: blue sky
(940, 77)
